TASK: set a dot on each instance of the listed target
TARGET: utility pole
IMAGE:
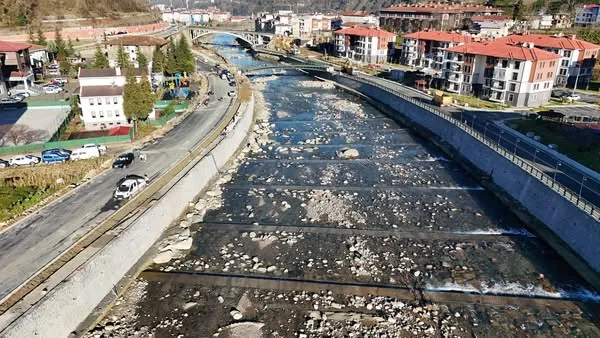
(576, 78)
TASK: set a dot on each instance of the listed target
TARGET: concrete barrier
(579, 231)
(66, 306)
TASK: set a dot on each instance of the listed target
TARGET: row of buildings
(199, 16)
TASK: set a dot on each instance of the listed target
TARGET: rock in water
(347, 153)
(185, 244)
(163, 257)
(235, 314)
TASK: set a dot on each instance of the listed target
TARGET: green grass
(476, 102)
(550, 132)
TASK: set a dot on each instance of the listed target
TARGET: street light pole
(576, 78)
(516, 145)
(558, 164)
(485, 129)
(500, 136)
(535, 155)
(583, 179)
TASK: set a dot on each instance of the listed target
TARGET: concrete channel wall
(576, 228)
(65, 307)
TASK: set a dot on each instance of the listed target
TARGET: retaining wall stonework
(61, 311)
(576, 228)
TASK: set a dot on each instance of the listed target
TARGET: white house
(588, 15)
(101, 98)
(370, 45)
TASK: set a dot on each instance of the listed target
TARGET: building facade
(588, 15)
(101, 97)
(358, 18)
(577, 57)
(518, 74)
(408, 18)
(369, 45)
(492, 26)
(131, 45)
(426, 49)
(16, 70)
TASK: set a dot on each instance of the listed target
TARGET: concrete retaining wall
(572, 225)
(61, 311)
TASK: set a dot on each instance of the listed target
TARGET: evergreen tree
(41, 39)
(100, 60)
(65, 66)
(70, 48)
(31, 38)
(138, 99)
(146, 99)
(142, 60)
(170, 62)
(122, 58)
(61, 47)
(184, 57)
(517, 15)
(158, 61)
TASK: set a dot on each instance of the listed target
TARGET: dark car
(4, 164)
(124, 160)
(60, 151)
(232, 83)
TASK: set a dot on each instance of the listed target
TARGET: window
(546, 85)
(564, 63)
(510, 97)
(549, 74)
(467, 69)
(109, 113)
(101, 113)
(562, 72)
(552, 63)
(107, 100)
(117, 113)
(93, 114)
(99, 100)
(536, 86)
(512, 87)
(567, 53)
(115, 100)
(504, 63)
(517, 64)
(515, 76)
(538, 76)
(91, 102)
(543, 64)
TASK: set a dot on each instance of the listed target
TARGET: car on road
(52, 89)
(84, 154)
(101, 148)
(231, 93)
(4, 164)
(232, 83)
(59, 81)
(21, 160)
(571, 97)
(124, 160)
(130, 186)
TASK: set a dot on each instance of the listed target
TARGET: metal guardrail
(550, 180)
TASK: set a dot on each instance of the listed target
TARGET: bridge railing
(511, 154)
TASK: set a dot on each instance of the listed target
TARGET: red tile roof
(506, 51)
(365, 31)
(433, 7)
(6, 46)
(440, 36)
(569, 42)
(480, 18)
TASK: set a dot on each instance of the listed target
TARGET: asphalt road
(578, 182)
(38, 239)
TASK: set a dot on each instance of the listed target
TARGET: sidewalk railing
(511, 154)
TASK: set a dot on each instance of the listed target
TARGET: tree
(100, 60)
(158, 61)
(184, 57)
(170, 63)
(138, 99)
(20, 134)
(41, 39)
(31, 37)
(142, 60)
(517, 15)
(65, 66)
(61, 47)
(122, 58)
(70, 48)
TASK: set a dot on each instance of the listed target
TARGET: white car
(101, 148)
(24, 160)
(572, 98)
(52, 90)
(84, 153)
(129, 186)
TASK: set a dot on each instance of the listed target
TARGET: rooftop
(355, 13)
(480, 18)
(138, 40)
(433, 7)
(106, 72)
(506, 51)
(91, 91)
(365, 31)
(569, 42)
(440, 36)
(6, 46)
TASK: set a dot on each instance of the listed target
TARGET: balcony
(497, 97)
(456, 79)
(499, 75)
(454, 89)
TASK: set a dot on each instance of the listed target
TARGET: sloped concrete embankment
(568, 223)
(61, 311)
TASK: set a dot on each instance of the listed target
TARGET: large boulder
(347, 153)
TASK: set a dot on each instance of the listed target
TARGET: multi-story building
(492, 26)
(426, 49)
(101, 97)
(516, 74)
(358, 18)
(131, 44)
(435, 16)
(15, 63)
(577, 57)
(370, 45)
(588, 15)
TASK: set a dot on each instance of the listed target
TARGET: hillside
(24, 12)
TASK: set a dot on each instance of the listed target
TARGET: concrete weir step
(359, 289)
(346, 188)
(375, 232)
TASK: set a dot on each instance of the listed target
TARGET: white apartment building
(577, 57)
(588, 15)
(492, 26)
(516, 74)
(358, 18)
(369, 45)
(425, 49)
(101, 98)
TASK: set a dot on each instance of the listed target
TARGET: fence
(515, 152)
(29, 148)
(63, 126)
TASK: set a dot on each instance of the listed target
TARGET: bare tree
(20, 134)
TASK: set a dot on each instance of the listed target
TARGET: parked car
(52, 90)
(60, 151)
(85, 153)
(20, 92)
(51, 157)
(232, 83)
(101, 148)
(59, 81)
(572, 97)
(124, 160)
(130, 186)
(231, 93)
(24, 160)
(4, 164)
